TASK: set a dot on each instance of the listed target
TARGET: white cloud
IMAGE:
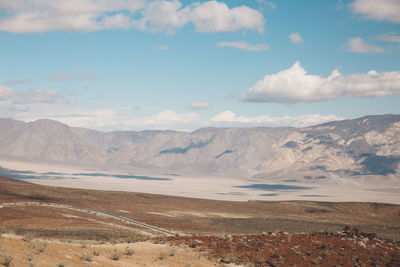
(296, 38)
(161, 47)
(388, 10)
(74, 75)
(110, 119)
(230, 118)
(28, 96)
(6, 92)
(389, 37)
(164, 16)
(244, 46)
(200, 105)
(34, 16)
(36, 96)
(213, 16)
(295, 85)
(169, 119)
(358, 45)
(267, 4)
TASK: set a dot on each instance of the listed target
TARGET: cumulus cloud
(388, 10)
(200, 105)
(296, 38)
(32, 16)
(230, 118)
(358, 45)
(389, 37)
(295, 85)
(213, 16)
(62, 76)
(244, 46)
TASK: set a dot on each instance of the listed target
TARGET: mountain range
(365, 146)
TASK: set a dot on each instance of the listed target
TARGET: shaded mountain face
(368, 145)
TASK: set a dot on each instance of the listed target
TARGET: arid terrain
(209, 231)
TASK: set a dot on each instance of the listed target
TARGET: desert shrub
(133, 238)
(171, 253)
(60, 265)
(84, 244)
(39, 246)
(6, 259)
(229, 259)
(86, 257)
(28, 237)
(161, 256)
(129, 251)
(115, 255)
(160, 240)
(96, 253)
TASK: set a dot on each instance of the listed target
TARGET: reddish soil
(347, 248)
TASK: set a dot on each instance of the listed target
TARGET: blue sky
(137, 64)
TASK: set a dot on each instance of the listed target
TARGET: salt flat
(275, 188)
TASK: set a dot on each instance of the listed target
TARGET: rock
(362, 244)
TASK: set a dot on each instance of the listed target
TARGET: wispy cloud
(196, 105)
(62, 76)
(358, 45)
(161, 47)
(389, 37)
(12, 96)
(244, 46)
(294, 85)
(15, 82)
(296, 38)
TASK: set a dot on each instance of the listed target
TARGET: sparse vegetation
(86, 257)
(161, 256)
(159, 240)
(6, 259)
(28, 237)
(133, 238)
(84, 244)
(96, 253)
(115, 255)
(39, 246)
(171, 253)
(129, 251)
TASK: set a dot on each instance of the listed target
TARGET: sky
(182, 65)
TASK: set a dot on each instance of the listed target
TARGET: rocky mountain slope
(368, 145)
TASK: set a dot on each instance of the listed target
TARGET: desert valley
(199, 133)
(336, 183)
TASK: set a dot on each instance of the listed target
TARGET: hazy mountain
(368, 145)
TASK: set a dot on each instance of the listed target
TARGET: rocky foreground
(346, 248)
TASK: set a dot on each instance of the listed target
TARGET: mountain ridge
(342, 147)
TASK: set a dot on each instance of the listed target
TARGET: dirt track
(96, 212)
